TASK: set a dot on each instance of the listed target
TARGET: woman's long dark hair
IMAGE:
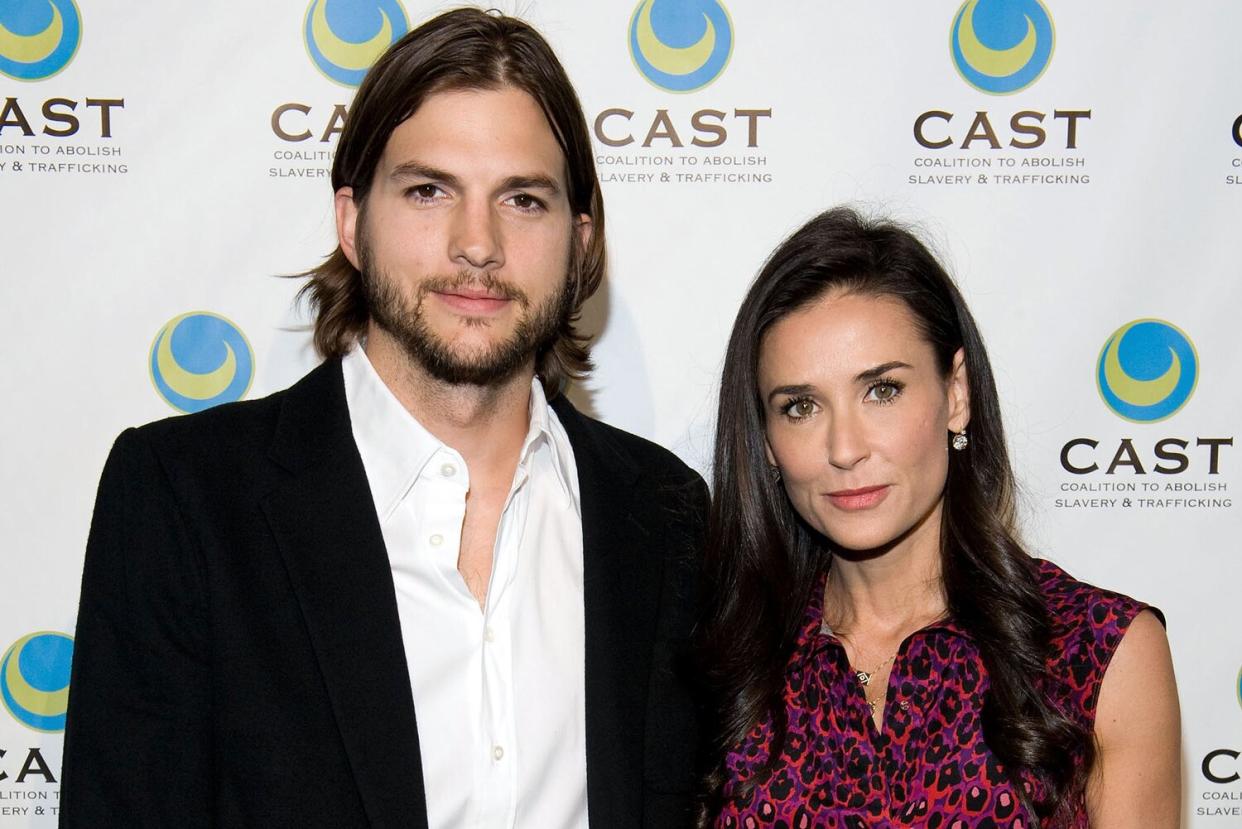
(762, 560)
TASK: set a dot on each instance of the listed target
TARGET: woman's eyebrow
(790, 390)
(882, 369)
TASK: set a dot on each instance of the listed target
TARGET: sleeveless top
(928, 765)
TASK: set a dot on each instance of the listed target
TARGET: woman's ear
(959, 393)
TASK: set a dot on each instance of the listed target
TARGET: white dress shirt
(499, 691)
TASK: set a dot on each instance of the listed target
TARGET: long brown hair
(762, 560)
(463, 49)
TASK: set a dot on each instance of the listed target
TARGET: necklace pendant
(863, 677)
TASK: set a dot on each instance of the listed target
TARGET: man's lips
(473, 300)
(857, 499)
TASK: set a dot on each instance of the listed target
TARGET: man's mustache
(484, 281)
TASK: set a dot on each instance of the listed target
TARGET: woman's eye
(800, 409)
(884, 392)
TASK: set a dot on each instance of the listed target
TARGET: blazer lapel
(621, 585)
(324, 522)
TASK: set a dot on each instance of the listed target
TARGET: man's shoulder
(648, 457)
(224, 424)
(244, 429)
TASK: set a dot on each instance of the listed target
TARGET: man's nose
(475, 238)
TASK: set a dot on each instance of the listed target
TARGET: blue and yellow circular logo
(1002, 46)
(1147, 370)
(200, 360)
(681, 45)
(344, 37)
(34, 680)
(38, 38)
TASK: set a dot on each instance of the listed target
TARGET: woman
(882, 649)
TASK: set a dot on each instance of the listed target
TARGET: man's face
(464, 242)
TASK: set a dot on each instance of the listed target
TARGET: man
(409, 590)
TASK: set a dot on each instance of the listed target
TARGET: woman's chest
(925, 763)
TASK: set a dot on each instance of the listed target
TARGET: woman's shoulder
(1078, 606)
(1088, 623)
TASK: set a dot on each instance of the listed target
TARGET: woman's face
(857, 418)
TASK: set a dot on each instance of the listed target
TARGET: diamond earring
(960, 441)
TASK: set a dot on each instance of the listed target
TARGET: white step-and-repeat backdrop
(1077, 165)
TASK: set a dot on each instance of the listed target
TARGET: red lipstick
(858, 499)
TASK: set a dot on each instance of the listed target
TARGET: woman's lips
(856, 499)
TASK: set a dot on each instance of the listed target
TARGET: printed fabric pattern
(928, 766)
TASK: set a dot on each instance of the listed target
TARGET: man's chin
(487, 363)
(483, 373)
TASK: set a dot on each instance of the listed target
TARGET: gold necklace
(864, 679)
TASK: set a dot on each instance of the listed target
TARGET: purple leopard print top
(928, 765)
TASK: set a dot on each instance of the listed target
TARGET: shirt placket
(499, 798)
(866, 756)
(902, 724)
(446, 483)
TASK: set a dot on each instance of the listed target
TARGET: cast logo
(38, 38)
(344, 37)
(1001, 46)
(34, 680)
(681, 45)
(1147, 370)
(1216, 766)
(200, 360)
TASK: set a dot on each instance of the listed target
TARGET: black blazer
(238, 657)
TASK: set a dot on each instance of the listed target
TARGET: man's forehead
(480, 126)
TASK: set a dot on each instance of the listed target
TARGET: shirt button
(904, 705)
(436, 540)
(498, 752)
(489, 635)
(448, 470)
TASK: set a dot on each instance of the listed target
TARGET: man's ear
(347, 223)
(959, 393)
(584, 228)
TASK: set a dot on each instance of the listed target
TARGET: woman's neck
(888, 592)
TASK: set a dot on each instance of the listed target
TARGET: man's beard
(405, 321)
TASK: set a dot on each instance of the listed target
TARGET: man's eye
(525, 201)
(425, 192)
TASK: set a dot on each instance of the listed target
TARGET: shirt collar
(545, 430)
(395, 447)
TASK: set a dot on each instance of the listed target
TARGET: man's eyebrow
(792, 391)
(532, 181)
(880, 370)
(535, 181)
(415, 169)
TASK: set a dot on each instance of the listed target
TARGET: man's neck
(485, 424)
